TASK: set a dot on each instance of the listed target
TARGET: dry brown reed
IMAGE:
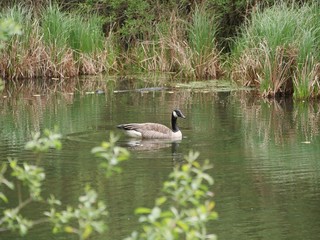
(246, 70)
(308, 78)
(278, 51)
(55, 45)
(279, 69)
(278, 74)
(272, 72)
(173, 53)
(40, 60)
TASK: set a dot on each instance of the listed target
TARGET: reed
(56, 44)
(202, 33)
(187, 49)
(282, 42)
(86, 34)
(55, 27)
(19, 54)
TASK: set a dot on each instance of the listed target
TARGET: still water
(265, 154)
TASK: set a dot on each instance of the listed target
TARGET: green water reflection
(265, 154)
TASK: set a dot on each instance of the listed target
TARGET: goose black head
(177, 113)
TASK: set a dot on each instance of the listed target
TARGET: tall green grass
(55, 27)
(202, 32)
(72, 30)
(202, 40)
(283, 41)
(86, 35)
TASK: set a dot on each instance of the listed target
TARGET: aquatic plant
(278, 51)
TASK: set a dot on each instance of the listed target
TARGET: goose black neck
(174, 124)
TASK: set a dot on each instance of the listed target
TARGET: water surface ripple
(265, 156)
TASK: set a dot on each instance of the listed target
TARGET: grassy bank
(63, 44)
(279, 51)
(54, 44)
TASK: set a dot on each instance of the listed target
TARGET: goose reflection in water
(154, 145)
(150, 144)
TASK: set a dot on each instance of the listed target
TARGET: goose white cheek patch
(175, 114)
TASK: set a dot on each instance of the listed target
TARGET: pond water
(265, 154)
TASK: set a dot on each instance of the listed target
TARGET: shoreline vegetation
(272, 46)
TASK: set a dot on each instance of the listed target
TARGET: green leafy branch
(8, 28)
(111, 154)
(29, 176)
(83, 220)
(41, 144)
(184, 209)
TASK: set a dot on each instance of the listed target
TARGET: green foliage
(132, 20)
(54, 43)
(185, 207)
(4, 182)
(83, 220)
(72, 30)
(135, 17)
(86, 218)
(22, 17)
(29, 176)
(182, 212)
(8, 27)
(202, 32)
(50, 139)
(32, 178)
(111, 154)
(14, 221)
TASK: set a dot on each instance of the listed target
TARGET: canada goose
(155, 130)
